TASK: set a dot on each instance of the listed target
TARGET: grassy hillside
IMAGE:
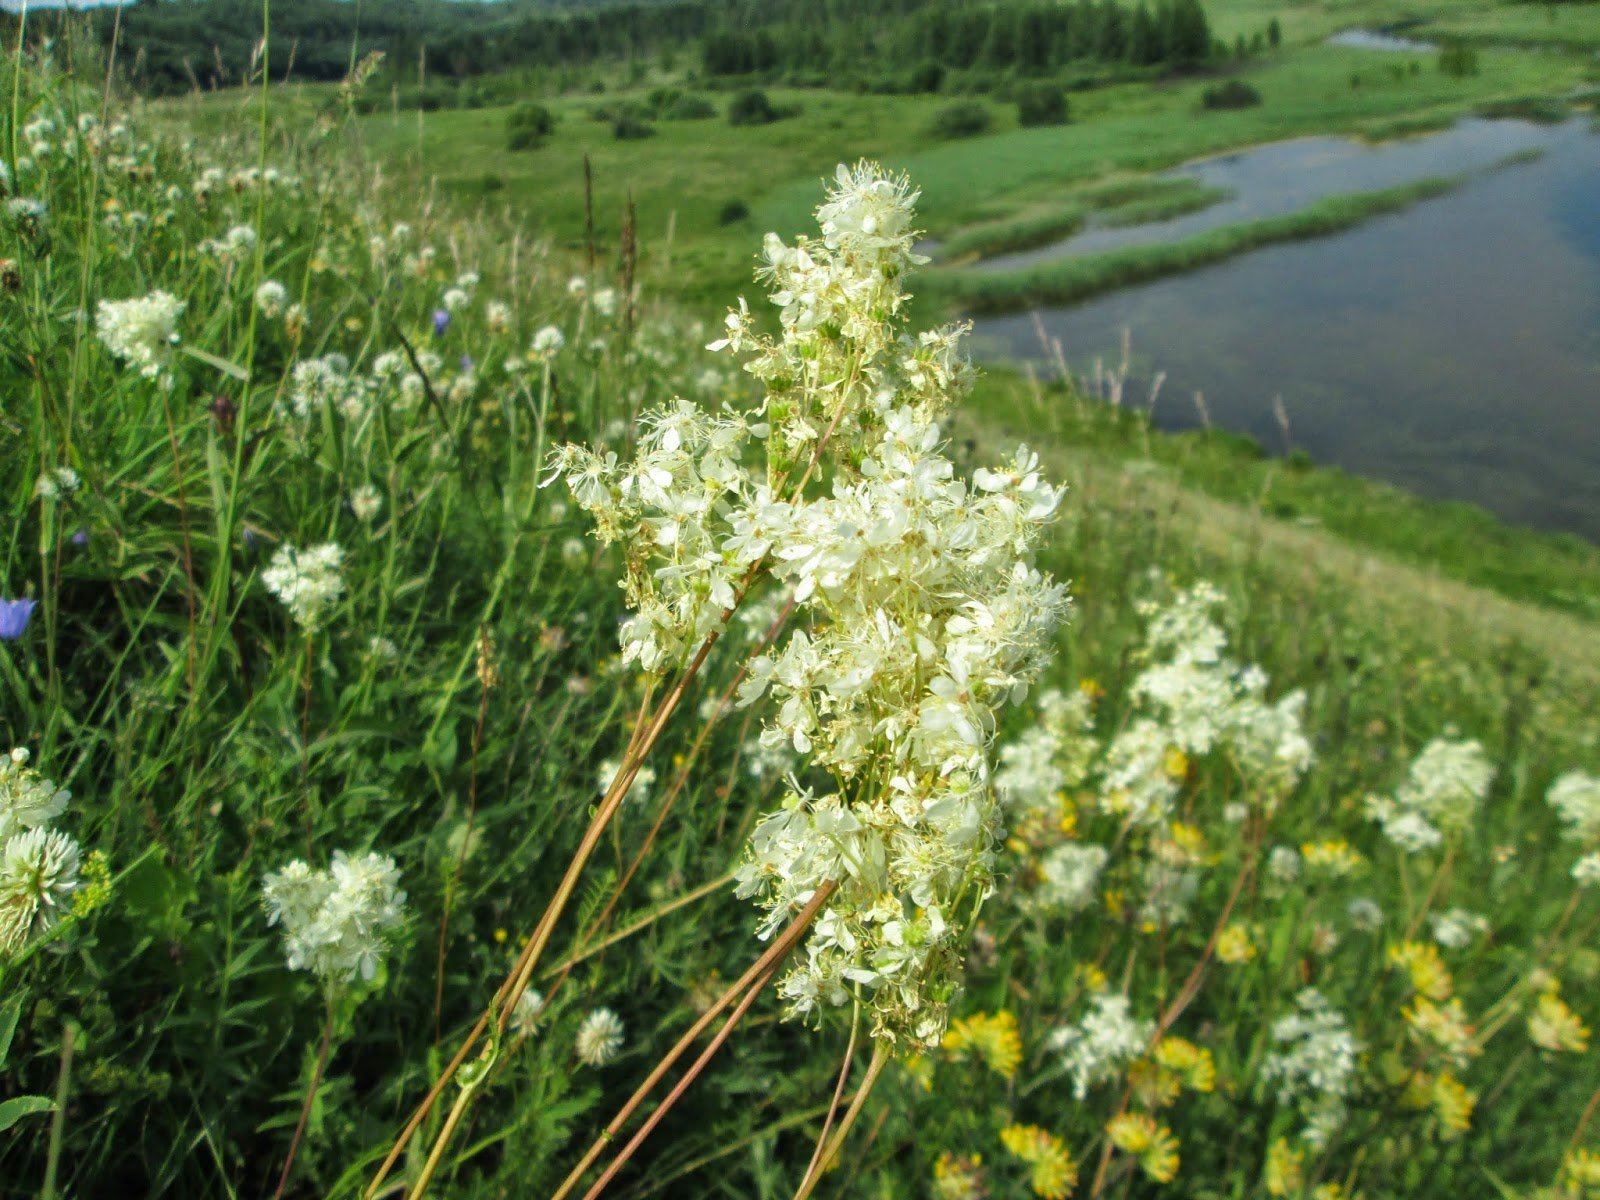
(1275, 882)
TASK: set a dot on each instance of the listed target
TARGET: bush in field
(1041, 104)
(751, 108)
(528, 125)
(965, 119)
(733, 212)
(1235, 93)
(1458, 60)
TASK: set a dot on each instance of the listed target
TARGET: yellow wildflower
(1452, 1105)
(1176, 763)
(1053, 1174)
(1092, 977)
(1429, 976)
(1234, 945)
(1193, 1064)
(1091, 688)
(958, 1177)
(920, 1068)
(1285, 1175)
(1444, 1026)
(993, 1039)
(1553, 1026)
(1152, 1144)
(1154, 1086)
(1580, 1173)
(1335, 857)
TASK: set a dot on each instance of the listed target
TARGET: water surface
(1376, 39)
(1453, 348)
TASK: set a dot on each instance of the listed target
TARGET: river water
(1452, 348)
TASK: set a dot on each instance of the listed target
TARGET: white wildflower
(1576, 799)
(336, 922)
(271, 298)
(599, 1038)
(38, 874)
(547, 342)
(1455, 927)
(1315, 1062)
(306, 581)
(366, 502)
(1095, 1050)
(142, 331)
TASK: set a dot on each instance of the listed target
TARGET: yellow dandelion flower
(1193, 1063)
(1429, 976)
(1555, 1027)
(1152, 1144)
(1234, 945)
(1052, 1174)
(500, 935)
(1452, 1105)
(1335, 857)
(1580, 1173)
(958, 1177)
(1285, 1174)
(994, 1040)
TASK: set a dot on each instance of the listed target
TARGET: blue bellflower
(14, 616)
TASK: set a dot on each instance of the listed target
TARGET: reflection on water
(1286, 177)
(1453, 348)
(1372, 39)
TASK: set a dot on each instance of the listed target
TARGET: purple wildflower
(80, 538)
(441, 321)
(466, 362)
(14, 615)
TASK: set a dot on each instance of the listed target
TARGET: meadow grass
(460, 706)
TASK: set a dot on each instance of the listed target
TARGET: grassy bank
(1069, 279)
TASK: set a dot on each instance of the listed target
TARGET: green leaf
(10, 1011)
(13, 1110)
(221, 364)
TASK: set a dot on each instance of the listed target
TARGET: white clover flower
(497, 316)
(383, 649)
(547, 342)
(233, 245)
(577, 287)
(605, 302)
(306, 581)
(1455, 927)
(599, 1038)
(1586, 871)
(1576, 799)
(27, 799)
(38, 874)
(1315, 1062)
(1095, 1050)
(27, 213)
(316, 383)
(55, 483)
(336, 922)
(525, 1015)
(141, 332)
(1283, 864)
(1364, 915)
(366, 502)
(638, 790)
(271, 298)
(455, 299)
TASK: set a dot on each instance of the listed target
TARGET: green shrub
(527, 126)
(751, 108)
(1235, 93)
(1458, 60)
(1041, 104)
(733, 212)
(631, 125)
(966, 119)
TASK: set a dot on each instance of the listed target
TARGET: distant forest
(169, 46)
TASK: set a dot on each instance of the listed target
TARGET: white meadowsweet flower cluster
(1068, 876)
(1446, 784)
(1456, 927)
(307, 581)
(1576, 798)
(1108, 1038)
(1048, 758)
(38, 865)
(918, 612)
(1194, 700)
(141, 331)
(1315, 1063)
(336, 922)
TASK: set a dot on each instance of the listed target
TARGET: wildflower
(366, 502)
(141, 331)
(1234, 945)
(27, 214)
(55, 483)
(271, 298)
(1421, 961)
(958, 1177)
(1285, 1174)
(1452, 1105)
(1335, 857)
(1053, 1174)
(1283, 864)
(1555, 1027)
(1068, 876)
(1586, 871)
(1097, 1047)
(1580, 1172)
(1576, 799)
(639, 789)
(1455, 927)
(14, 617)
(599, 1038)
(547, 342)
(38, 874)
(1364, 915)
(382, 648)
(1153, 1145)
(497, 316)
(453, 301)
(1315, 1062)
(441, 321)
(992, 1039)
(1192, 1063)
(1447, 782)
(1443, 1026)
(525, 1015)
(306, 581)
(336, 922)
